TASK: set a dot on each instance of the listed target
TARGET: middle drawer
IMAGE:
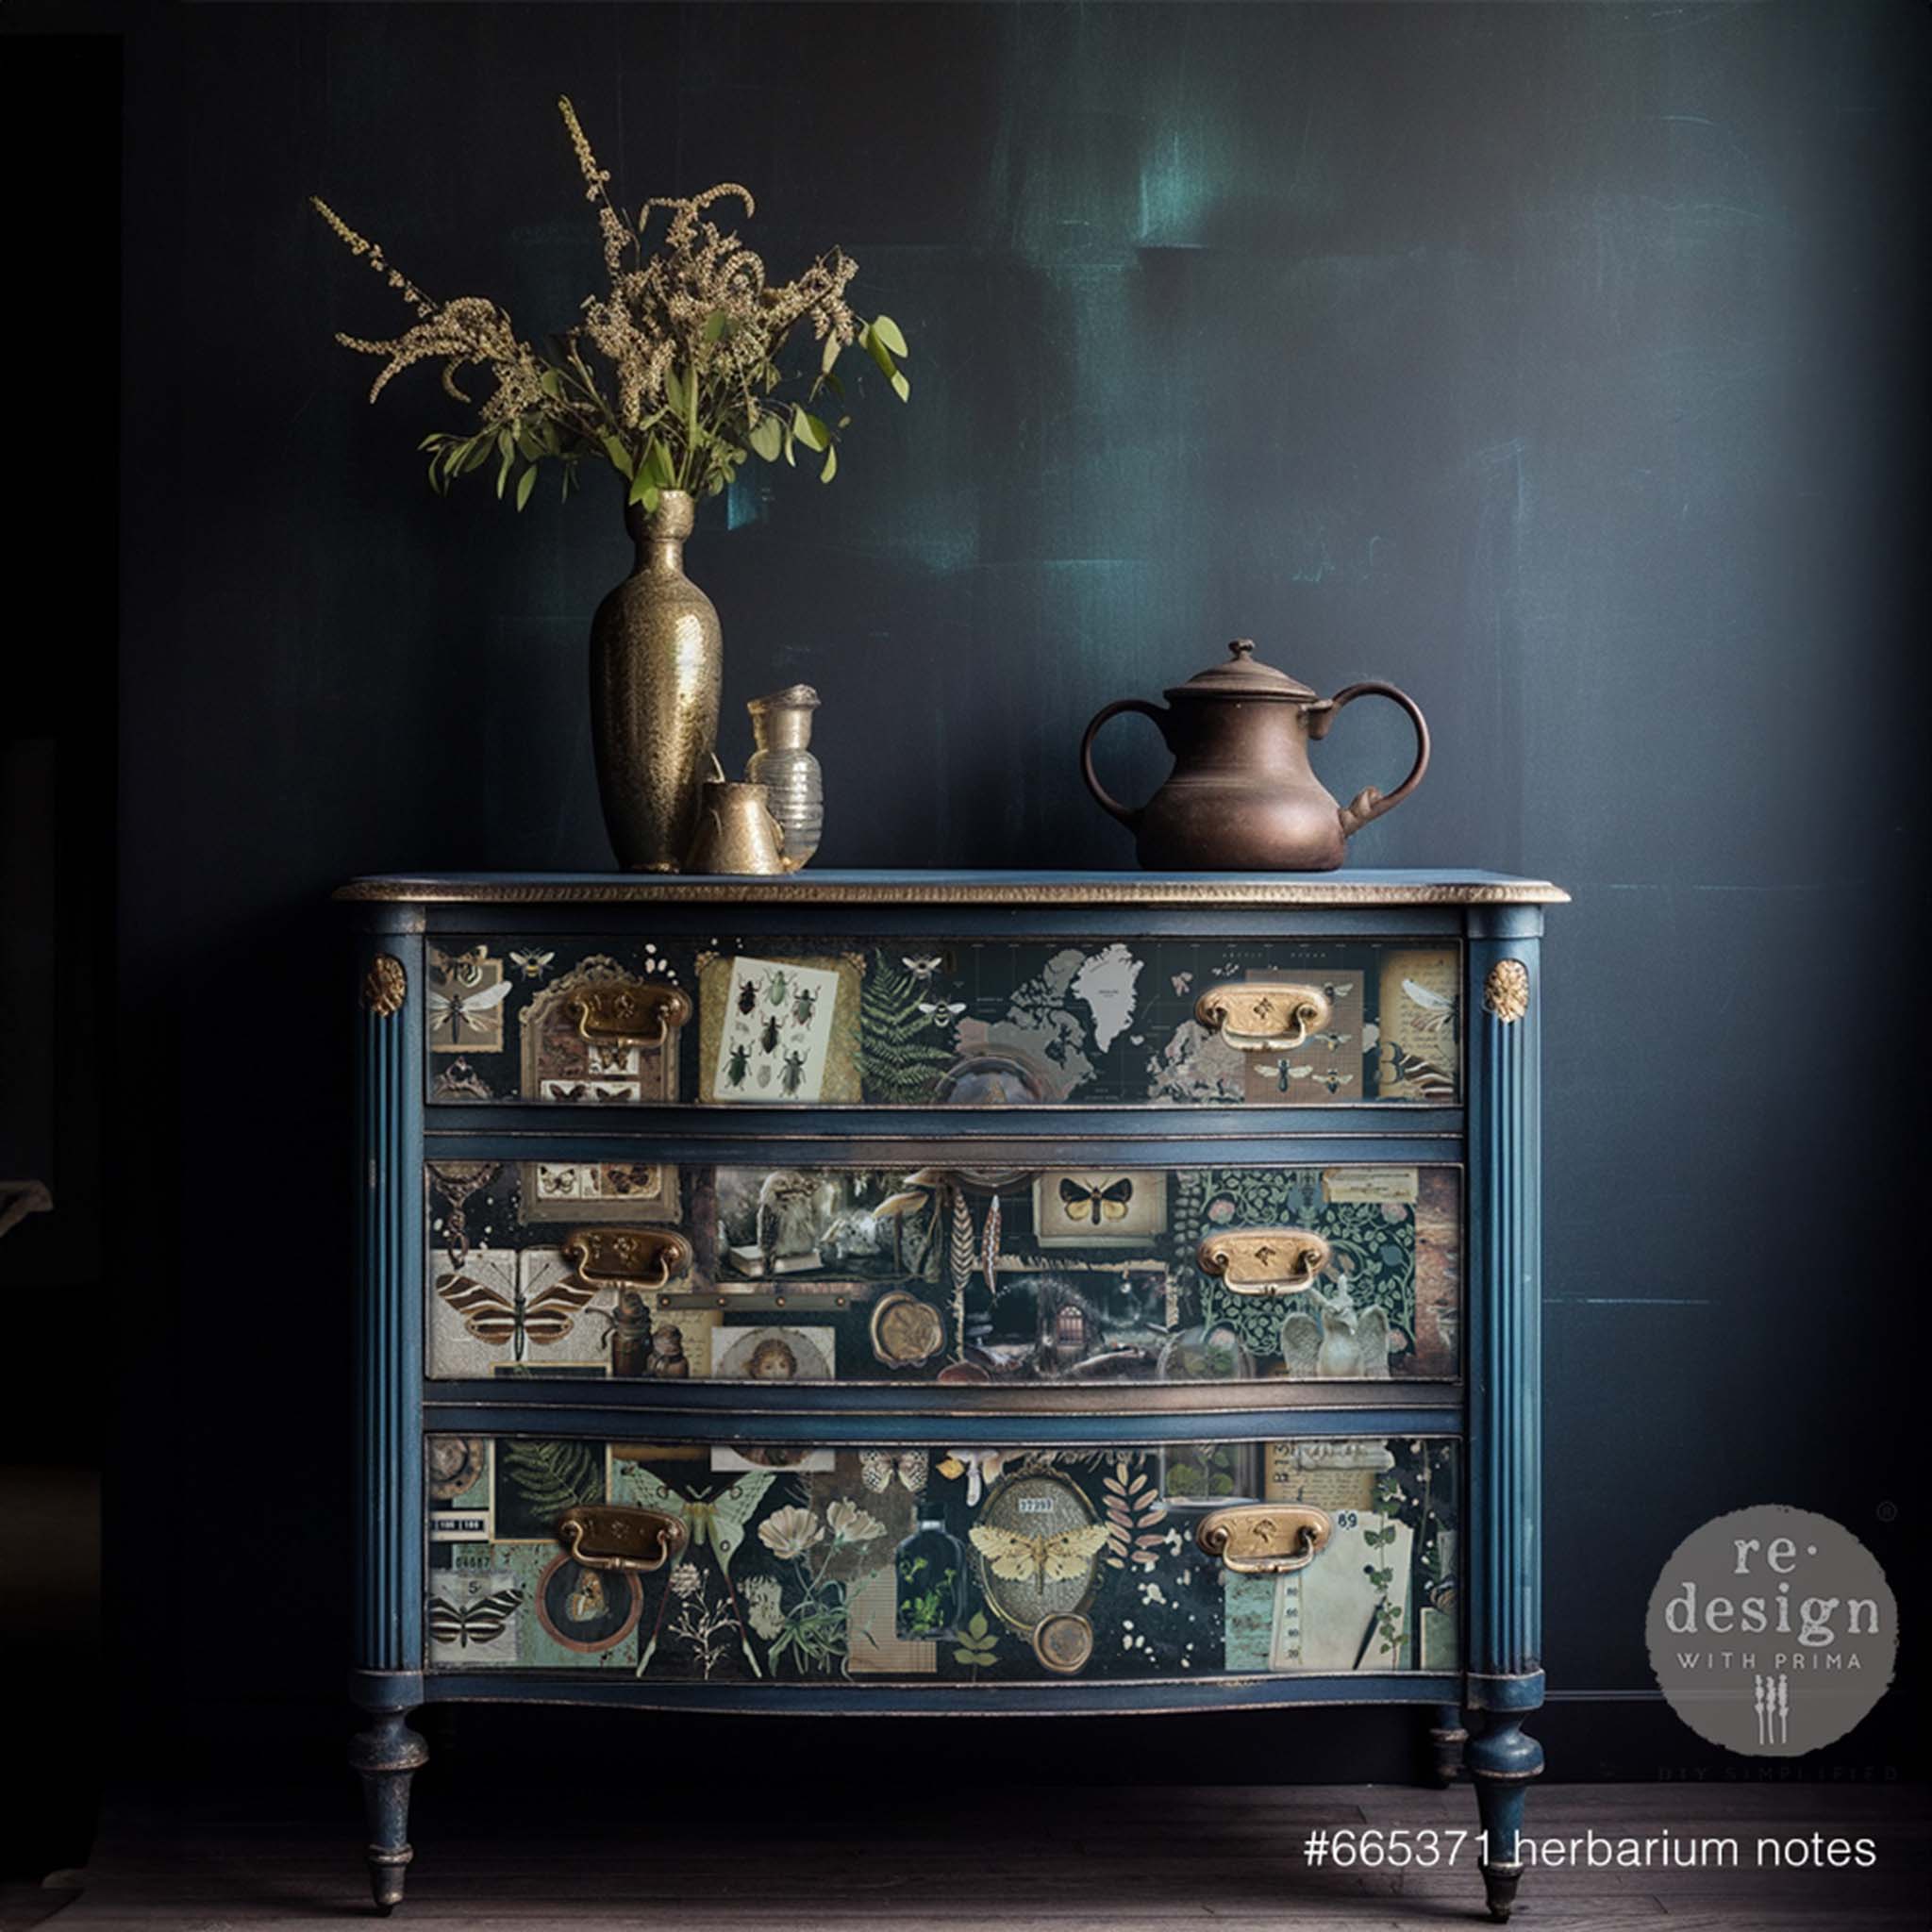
(546, 1269)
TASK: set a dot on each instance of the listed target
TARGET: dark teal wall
(1562, 364)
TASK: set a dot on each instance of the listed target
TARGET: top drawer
(831, 1022)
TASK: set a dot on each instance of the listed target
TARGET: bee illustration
(1285, 1071)
(532, 965)
(748, 996)
(804, 1006)
(768, 1040)
(939, 1012)
(779, 984)
(924, 967)
(738, 1065)
(794, 1071)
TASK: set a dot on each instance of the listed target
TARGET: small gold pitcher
(736, 831)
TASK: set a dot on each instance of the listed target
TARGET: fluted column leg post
(1505, 1679)
(386, 1681)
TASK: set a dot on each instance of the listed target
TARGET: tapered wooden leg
(1448, 1737)
(387, 1755)
(1502, 1760)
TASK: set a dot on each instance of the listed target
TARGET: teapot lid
(1244, 676)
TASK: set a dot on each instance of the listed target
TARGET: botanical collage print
(938, 1274)
(942, 1023)
(961, 1564)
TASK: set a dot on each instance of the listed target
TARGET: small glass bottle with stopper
(929, 1582)
(781, 726)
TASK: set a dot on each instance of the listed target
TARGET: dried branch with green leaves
(673, 378)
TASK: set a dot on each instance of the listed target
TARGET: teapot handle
(1128, 816)
(1368, 802)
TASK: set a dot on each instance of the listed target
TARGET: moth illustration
(768, 1040)
(804, 1006)
(516, 1319)
(1039, 1559)
(738, 1065)
(1082, 1203)
(748, 996)
(453, 1006)
(794, 1071)
(1435, 1012)
(716, 1521)
(532, 965)
(479, 1622)
(878, 1467)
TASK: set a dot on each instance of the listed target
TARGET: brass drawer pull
(1264, 1260)
(604, 1536)
(1263, 1016)
(646, 1257)
(1264, 1539)
(627, 1015)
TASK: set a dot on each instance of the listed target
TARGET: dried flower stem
(689, 335)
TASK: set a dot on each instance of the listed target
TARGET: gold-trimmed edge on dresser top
(1292, 893)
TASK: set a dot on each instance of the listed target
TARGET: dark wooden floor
(775, 1856)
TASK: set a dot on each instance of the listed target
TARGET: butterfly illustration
(452, 1006)
(587, 1601)
(924, 967)
(581, 1090)
(479, 1622)
(1096, 1203)
(878, 1467)
(1435, 1012)
(532, 965)
(1039, 1559)
(515, 1319)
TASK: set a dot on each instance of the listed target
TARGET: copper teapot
(1241, 796)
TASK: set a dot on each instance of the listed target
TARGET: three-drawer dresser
(940, 1292)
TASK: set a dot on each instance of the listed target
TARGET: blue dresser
(950, 1292)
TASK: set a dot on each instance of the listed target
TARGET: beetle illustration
(768, 1040)
(748, 996)
(738, 1065)
(778, 986)
(803, 1007)
(794, 1071)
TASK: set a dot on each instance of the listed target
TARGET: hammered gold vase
(656, 668)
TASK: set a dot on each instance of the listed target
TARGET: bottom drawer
(766, 1564)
